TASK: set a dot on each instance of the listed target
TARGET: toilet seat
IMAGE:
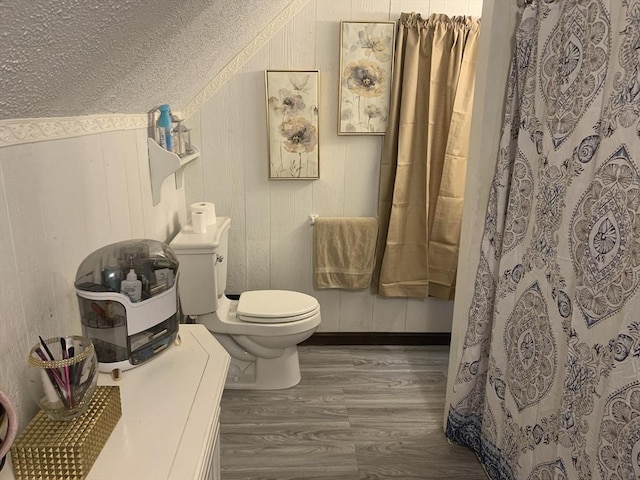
(275, 306)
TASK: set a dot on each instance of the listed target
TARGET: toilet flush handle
(219, 258)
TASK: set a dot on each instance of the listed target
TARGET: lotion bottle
(132, 286)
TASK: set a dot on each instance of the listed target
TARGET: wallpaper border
(29, 130)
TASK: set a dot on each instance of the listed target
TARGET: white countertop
(170, 414)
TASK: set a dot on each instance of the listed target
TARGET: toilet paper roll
(208, 208)
(199, 222)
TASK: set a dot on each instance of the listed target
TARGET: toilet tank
(203, 266)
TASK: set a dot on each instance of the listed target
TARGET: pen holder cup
(63, 387)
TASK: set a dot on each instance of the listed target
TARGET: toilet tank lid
(189, 242)
(275, 303)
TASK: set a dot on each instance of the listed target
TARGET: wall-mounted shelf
(163, 163)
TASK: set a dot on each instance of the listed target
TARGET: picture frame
(292, 124)
(366, 72)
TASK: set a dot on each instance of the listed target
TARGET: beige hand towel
(344, 251)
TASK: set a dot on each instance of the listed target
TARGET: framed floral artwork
(366, 62)
(292, 124)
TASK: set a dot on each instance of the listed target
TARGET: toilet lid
(269, 306)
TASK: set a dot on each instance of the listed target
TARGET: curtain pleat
(424, 156)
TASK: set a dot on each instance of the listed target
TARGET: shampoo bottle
(164, 128)
(132, 286)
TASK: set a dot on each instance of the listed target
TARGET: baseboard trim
(378, 338)
(374, 338)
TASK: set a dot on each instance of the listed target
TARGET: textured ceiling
(81, 57)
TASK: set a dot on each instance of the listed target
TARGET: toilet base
(265, 373)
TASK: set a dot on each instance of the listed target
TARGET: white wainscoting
(59, 201)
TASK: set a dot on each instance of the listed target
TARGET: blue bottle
(164, 128)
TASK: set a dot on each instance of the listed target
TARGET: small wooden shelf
(163, 163)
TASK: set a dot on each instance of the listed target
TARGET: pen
(46, 348)
(63, 345)
(53, 375)
(72, 370)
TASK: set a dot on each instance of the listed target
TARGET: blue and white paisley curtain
(549, 381)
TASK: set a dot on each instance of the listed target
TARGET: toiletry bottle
(132, 286)
(112, 274)
(164, 128)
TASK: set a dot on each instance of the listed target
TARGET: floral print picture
(292, 124)
(366, 61)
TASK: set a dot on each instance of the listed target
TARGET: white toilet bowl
(260, 331)
(264, 354)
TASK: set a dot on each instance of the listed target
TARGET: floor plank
(359, 413)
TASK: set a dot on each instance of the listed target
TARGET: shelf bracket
(163, 163)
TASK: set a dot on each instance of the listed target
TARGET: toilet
(260, 331)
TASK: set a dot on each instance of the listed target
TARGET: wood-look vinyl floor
(360, 412)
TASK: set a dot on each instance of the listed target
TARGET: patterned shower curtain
(548, 386)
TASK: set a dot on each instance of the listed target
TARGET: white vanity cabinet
(170, 425)
(170, 414)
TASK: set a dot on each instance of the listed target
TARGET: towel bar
(312, 218)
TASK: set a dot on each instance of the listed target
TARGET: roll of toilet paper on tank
(208, 208)
(199, 222)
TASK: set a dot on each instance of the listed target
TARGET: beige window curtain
(424, 157)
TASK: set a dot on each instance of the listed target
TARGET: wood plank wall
(59, 201)
(271, 238)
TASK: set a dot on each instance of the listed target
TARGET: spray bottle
(164, 128)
